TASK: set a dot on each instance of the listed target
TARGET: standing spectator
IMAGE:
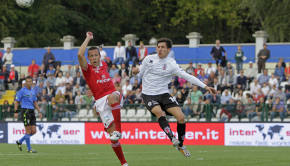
(8, 58)
(143, 51)
(131, 54)
(48, 59)
(190, 69)
(102, 52)
(263, 56)
(239, 57)
(33, 68)
(251, 73)
(216, 52)
(119, 54)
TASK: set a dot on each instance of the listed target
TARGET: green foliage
(46, 22)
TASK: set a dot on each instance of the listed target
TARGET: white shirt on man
(156, 74)
(120, 52)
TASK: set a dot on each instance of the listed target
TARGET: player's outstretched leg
(163, 123)
(119, 152)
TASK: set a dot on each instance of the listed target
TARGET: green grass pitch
(144, 155)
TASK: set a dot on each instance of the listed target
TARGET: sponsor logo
(103, 80)
(1, 134)
(151, 133)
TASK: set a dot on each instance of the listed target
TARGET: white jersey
(156, 74)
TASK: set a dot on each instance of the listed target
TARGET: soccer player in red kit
(107, 99)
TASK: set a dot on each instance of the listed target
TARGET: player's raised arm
(82, 50)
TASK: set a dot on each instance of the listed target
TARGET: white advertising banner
(257, 134)
(50, 133)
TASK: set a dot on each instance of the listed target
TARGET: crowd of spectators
(241, 93)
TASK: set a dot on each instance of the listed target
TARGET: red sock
(117, 116)
(118, 151)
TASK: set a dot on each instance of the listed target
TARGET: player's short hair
(94, 48)
(28, 77)
(166, 40)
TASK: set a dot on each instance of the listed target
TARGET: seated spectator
(260, 109)
(33, 68)
(126, 87)
(181, 82)
(251, 73)
(278, 109)
(135, 85)
(59, 110)
(4, 74)
(257, 96)
(79, 80)
(50, 81)
(265, 90)
(77, 88)
(190, 69)
(50, 70)
(264, 77)
(119, 54)
(242, 80)
(250, 109)
(71, 71)
(231, 80)
(21, 79)
(210, 69)
(198, 69)
(240, 110)
(211, 78)
(229, 68)
(59, 79)
(287, 70)
(187, 107)
(79, 99)
(202, 76)
(113, 70)
(12, 78)
(108, 62)
(226, 96)
(43, 106)
(88, 99)
(123, 70)
(222, 80)
(280, 72)
(239, 95)
(68, 78)
(281, 94)
(40, 79)
(7, 110)
(116, 79)
(70, 109)
(59, 96)
(142, 52)
(229, 109)
(68, 92)
(42, 71)
(57, 70)
(255, 86)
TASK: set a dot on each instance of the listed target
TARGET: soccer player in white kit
(156, 72)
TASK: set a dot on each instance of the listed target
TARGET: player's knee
(180, 118)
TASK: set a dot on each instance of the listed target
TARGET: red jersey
(99, 80)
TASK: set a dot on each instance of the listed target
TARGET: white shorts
(105, 110)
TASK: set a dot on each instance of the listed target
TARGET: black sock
(181, 133)
(165, 126)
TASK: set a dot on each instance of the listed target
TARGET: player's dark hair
(166, 40)
(28, 77)
(94, 48)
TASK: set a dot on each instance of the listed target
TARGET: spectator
(216, 53)
(264, 77)
(143, 51)
(6, 110)
(273, 80)
(190, 69)
(1, 62)
(22, 78)
(8, 58)
(102, 52)
(222, 80)
(123, 70)
(279, 93)
(50, 81)
(278, 109)
(71, 71)
(88, 99)
(251, 73)
(255, 86)
(70, 109)
(194, 97)
(117, 79)
(280, 72)
(43, 106)
(48, 59)
(257, 96)
(260, 108)
(33, 68)
(231, 80)
(263, 56)
(12, 78)
(59, 79)
(239, 57)
(242, 80)
(131, 54)
(211, 78)
(79, 99)
(108, 62)
(79, 80)
(250, 109)
(119, 54)
(229, 110)
(198, 69)
(50, 70)
(229, 68)
(113, 70)
(77, 88)
(60, 110)
(240, 110)
(41, 79)
(68, 78)
(4, 74)
(265, 90)
(42, 71)
(126, 88)
(210, 69)
(226, 96)
(287, 71)
(57, 70)
(283, 64)
(187, 107)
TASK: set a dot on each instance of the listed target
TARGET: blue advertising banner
(3, 133)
